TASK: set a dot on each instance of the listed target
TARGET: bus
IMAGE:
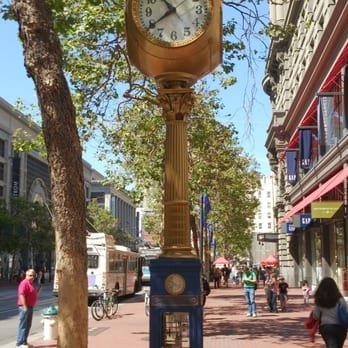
(110, 266)
(148, 254)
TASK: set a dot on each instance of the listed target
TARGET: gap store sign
(288, 228)
(301, 220)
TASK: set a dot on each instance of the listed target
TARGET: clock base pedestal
(176, 310)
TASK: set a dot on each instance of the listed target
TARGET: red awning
(309, 119)
(336, 70)
(319, 192)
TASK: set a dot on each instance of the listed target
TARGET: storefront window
(318, 248)
(2, 171)
(340, 259)
(2, 148)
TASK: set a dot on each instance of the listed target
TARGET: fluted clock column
(176, 99)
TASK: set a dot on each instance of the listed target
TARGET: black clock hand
(173, 8)
(169, 5)
(166, 14)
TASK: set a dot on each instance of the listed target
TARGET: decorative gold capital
(177, 103)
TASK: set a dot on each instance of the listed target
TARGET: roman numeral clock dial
(172, 23)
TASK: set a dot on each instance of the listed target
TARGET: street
(9, 312)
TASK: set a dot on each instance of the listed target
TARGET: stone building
(264, 242)
(306, 80)
(119, 204)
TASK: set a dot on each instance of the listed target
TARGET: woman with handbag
(327, 299)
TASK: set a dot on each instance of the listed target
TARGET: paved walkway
(225, 324)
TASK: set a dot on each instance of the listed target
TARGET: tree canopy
(103, 221)
(118, 104)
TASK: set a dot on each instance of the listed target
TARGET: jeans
(273, 301)
(333, 335)
(25, 320)
(250, 299)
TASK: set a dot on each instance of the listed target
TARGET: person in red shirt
(27, 297)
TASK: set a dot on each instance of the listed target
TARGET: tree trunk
(43, 61)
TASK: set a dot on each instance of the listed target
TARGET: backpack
(342, 315)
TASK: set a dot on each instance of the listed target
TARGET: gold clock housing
(190, 56)
(175, 284)
(172, 23)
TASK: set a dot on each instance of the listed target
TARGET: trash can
(50, 324)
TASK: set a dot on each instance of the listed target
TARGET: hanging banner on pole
(291, 166)
(305, 136)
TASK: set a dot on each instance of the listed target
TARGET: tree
(32, 227)
(43, 61)
(26, 228)
(97, 62)
(217, 165)
(94, 50)
(103, 221)
(5, 218)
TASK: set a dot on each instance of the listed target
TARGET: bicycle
(106, 305)
(147, 302)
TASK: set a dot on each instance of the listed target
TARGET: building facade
(306, 79)
(264, 242)
(27, 175)
(119, 204)
(21, 174)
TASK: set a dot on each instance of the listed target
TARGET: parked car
(145, 279)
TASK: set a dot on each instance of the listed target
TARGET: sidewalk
(225, 324)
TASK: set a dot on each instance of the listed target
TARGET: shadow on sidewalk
(226, 317)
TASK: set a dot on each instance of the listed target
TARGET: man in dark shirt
(283, 293)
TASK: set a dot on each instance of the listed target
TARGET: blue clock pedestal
(176, 311)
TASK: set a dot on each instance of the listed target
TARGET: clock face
(172, 22)
(175, 284)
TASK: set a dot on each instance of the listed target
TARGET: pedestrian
(273, 289)
(327, 297)
(262, 276)
(217, 277)
(249, 281)
(283, 293)
(306, 291)
(27, 297)
(206, 289)
(38, 279)
(226, 274)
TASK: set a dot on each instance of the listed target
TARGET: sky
(14, 85)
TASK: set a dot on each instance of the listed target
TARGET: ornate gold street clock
(176, 42)
(172, 36)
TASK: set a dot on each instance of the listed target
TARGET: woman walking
(327, 297)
